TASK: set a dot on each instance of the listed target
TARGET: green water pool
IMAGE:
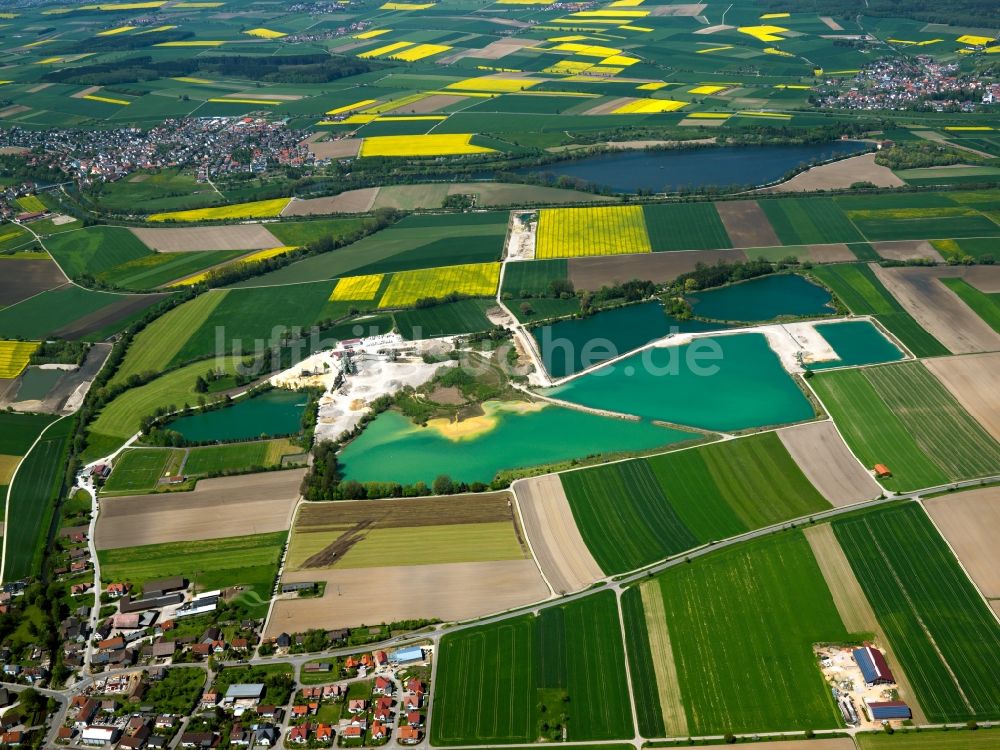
(275, 412)
(763, 298)
(856, 342)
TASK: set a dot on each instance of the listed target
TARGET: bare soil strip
(834, 253)
(828, 463)
(454, 591)
(14, 109)
(340, 149)
(124, 307)
(26, 278)
(907, 250)
(831, 23)
(217, 508)
(969, 520)
(595, 272)
(671, 704)
(974, 381)
(610, 106)
(349, 202)
(839, 174)
(551, 530)
(938, 309)
(852, 604)
(487, 507)
(496, 50)
(428, 104)
(85, 92)
(747, 224)
(685, 9)
(191, 239)
(985, 278)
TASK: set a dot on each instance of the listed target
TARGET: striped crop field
(357, 288)
(901, 416)
(254, 257)
(941, 630)
(14, 356)
(470, 280)
(603, 230)
(251, 210)
(494, 680)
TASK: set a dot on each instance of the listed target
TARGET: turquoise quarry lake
(677, 169)
(856, 342)
(275, 412)
(763, 298)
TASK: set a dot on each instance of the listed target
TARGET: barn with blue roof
(873, 666)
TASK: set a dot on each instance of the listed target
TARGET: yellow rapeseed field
(629, 27)
(228, 100)
(156, 29)
(112, 32)
(420, 52)
(406, 6)
(450, 144)
(649, 106)
(196, 5)
(625, 14)
(14, 356)
(471, 279)
(371, 34)
(707, 89)
(763, 33)
(599, 230)
(496, 84)
(349, 107)
(198, 43)
(252, 210)
(107, 100)
(652, 86)
(385, 50)
(252, 258)
(187, 79)
(265, 33)
(974, 39)
(768, 16)
(713, 49)
(124, 6)
(357, 288)
(587, 50)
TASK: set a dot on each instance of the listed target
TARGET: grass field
(473, 280)
(809, 221)
(533, 277)
(987, 306)
(575, 232)
(32, 499)
(18, 431)
(232, 457)
(250, 210)
(922, 223)
(944, 635)
(859, 289)
(14, 357)
(464, 316)
(634, 513)
(304, 232)
(95, 249)
(155, 346)
(742, 623)
(250, 561)
(45, 313)
(493, 680)
(139, 470)
(31, 203)
(901, 416)
(151, 271)
(980, 739)
(685, 226)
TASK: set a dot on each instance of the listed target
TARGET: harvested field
(938, 309)
(349, 202)
(835, 253)
(831, 23)
(339, 149)
(453, 591)
(428, 104)
(84, 93)
(501, 48)
(595, 272)
(26, 278)
(827, 462)
(555, 540)
(908, 250)
(188, 239)
(974, 381)
(984, 278)
(14, 109)
(107, 316)
(606, 108)
(217, 508)
(662, 656)
(747, 224)
(853, 606)
(968, 521)
(839, 174)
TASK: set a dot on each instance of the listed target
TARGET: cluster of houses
(96, 717)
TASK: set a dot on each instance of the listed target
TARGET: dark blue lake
(677, 169)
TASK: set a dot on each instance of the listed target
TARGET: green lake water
(570, 346)
(275, 412)
(723, 383)
(393, 449)
(763, 298)
(856, 342)
(37, 382)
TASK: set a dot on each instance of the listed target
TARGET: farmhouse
(882, 471)
(873, 666)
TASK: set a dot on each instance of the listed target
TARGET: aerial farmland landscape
(613, 374)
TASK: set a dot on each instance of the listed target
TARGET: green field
(857, 287)
(234, 457)
(32, 500)
(95, 249)
(645, 689)
(157, 344)
(304, 232)
(987, 306)
(250, 561)
(901, 416)
(464, 316)
(46, 313)
(151, 271)
(923, 223)
(980, 739)
(532, 277)
(140, 469)
(18, 431)
(493, 680)
(742, 624)
(809, 221)
(943, 634)
(633, 513)
(685, 226)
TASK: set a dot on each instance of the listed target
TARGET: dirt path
(938, 309)
(559, 549)
(853, 606)
(974, 380)
(828, 463)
